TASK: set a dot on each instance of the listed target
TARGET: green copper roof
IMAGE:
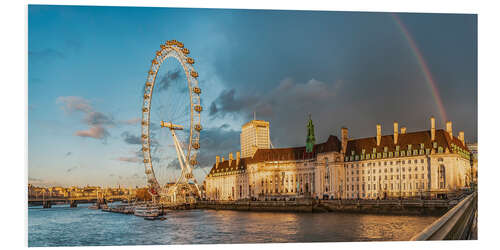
(311, 140)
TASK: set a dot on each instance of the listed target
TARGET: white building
(426, 163)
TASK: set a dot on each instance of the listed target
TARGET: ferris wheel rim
(176, 50)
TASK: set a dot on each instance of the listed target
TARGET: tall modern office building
(254, 135)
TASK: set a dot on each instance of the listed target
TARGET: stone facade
(428, 163)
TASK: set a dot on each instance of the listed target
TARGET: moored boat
(147, 211)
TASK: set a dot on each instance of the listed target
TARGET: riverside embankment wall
(430, 207)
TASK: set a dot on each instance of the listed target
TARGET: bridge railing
(456, 224)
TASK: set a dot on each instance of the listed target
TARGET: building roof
(415, 139)
(279, 154)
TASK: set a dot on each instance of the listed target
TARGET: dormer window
(421, 146)
(385, 149)
(374, 150)
(397, 148)
(435, 145)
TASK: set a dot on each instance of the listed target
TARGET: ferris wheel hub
(171, 126)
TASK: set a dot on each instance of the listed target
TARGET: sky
(87, 67)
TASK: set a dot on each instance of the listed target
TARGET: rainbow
(423, 66)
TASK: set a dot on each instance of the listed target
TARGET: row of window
(392, 186)
(385, 154)
(374, 171)
(385, 163)
(392, 177)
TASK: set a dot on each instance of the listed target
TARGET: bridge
(459, 223)
(47, 202)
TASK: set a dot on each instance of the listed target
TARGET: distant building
(474, 156)
(426, 163)
(254, 135)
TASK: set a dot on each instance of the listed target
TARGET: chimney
(396, 132)
(403, 130)
(433, 128)
(344, 135)
(449, 128)
(217, 160)
(461, 137)
(230, 158)
(237, 158)
(379, 134)
(222, 160)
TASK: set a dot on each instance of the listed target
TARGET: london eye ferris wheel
(171, 124)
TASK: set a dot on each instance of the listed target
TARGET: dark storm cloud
(380, 78)
(226, 103)
(131, 139)
(287, 106)
(167, 79)
(217, 141)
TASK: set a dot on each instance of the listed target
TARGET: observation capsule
(149, 84)
(196, 145)
(180, 45)
(197, 90)
(188, 175)
(193, 162)
(154, 61)
(190, 60)
(169, 43)
(158, 53)
(144, 123)
(185, 51)
(148, 171)
(162, 46)
(144, 136)
(146, 161)
(194, 74)
(151, 72)
(145, 109)
(146, 96)
(197, 127)
(145, 149)
(198, 108)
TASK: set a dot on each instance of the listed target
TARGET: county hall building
(427, 163)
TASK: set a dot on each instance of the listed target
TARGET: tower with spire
(310, 140)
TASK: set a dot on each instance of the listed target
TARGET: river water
(64, 226)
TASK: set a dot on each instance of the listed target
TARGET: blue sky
(87, 67)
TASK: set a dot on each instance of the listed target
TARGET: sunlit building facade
(428, 163)
(254, 135)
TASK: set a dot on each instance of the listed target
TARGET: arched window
(442, 176)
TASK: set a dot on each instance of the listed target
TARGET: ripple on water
(62, 226)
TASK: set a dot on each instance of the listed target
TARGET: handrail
(441, 228)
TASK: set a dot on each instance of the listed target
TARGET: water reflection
(81, 226)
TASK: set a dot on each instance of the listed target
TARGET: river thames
(64, 226)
